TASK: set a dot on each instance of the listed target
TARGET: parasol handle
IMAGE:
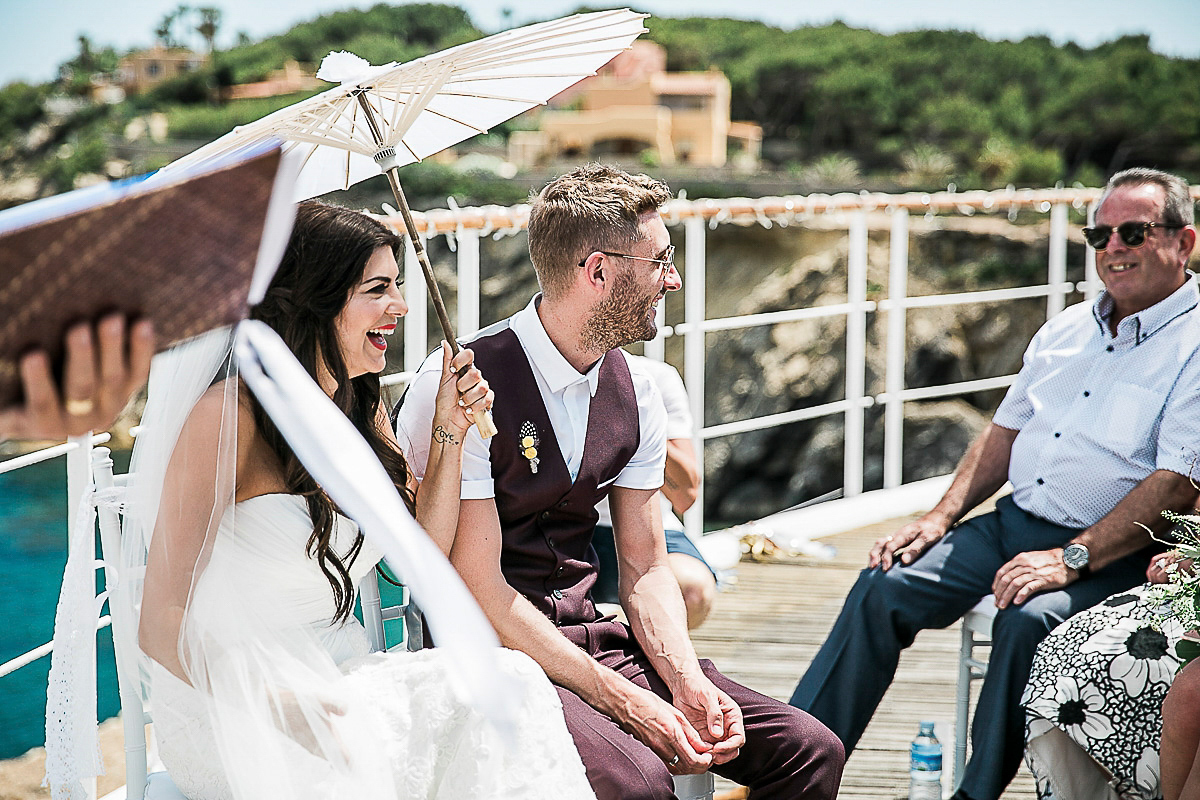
(483, 422)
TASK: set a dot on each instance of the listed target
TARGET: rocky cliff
(778, 368)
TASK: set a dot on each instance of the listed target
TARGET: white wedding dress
(436, 746)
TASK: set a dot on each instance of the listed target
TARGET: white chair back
(976, 632)
(135, 708)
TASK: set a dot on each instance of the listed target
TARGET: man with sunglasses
(577, 422)
(1098, 435)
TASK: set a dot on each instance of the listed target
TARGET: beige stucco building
(289, 80)
(138, 72)
(634, 105)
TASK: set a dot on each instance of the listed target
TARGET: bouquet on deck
(1179, 597)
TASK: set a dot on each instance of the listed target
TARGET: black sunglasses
(1133, 234)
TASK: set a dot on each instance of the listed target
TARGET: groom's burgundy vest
(548, 521)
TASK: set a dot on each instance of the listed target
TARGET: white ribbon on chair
(72, 745)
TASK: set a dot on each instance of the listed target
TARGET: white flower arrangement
(1179, 597)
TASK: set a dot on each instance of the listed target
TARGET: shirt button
(1057, 435)
(1109, 348)
(550, 542)
(545, 515)
(1087, 394)
(1040, 481)
(557, 594)
(559, 571)
(563, 504)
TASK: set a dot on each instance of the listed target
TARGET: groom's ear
(594, 272)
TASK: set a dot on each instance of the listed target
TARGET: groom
(577, 423)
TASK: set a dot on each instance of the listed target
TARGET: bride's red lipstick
(376, 336)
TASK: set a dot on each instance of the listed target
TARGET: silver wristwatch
(1076, 556)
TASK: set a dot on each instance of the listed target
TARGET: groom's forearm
(520, 626)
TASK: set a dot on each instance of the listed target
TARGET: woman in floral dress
(1094, 700)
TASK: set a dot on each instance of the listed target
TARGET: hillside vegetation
(1028, 111)
(840, 107)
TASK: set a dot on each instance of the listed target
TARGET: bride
(260, 675)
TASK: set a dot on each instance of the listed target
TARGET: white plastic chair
(976, 632)
(135, 711)
(695, 787)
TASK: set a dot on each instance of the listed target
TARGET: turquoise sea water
(33, 551)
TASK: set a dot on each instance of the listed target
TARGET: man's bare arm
(682, 478)
(980, 474)
(1119, 533)
(650, 595)
(647, 587)
(657, 724)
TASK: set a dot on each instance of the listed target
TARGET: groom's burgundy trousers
(788, 754)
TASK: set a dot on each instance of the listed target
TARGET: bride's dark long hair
(324, 263)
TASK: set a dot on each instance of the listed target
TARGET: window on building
(684, 102)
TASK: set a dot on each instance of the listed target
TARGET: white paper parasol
(431, 103)
(381, 118)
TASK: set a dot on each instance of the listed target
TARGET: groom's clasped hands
(701, 727)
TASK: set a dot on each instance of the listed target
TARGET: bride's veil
(236, 672)
(210, 606)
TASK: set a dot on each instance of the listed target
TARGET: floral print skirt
(1100, 679)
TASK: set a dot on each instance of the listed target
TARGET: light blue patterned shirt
(1097, 413)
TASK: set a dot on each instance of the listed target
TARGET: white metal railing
(464, 227)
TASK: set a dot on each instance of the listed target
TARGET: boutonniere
(529, 444)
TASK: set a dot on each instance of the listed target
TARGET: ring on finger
(674, 761)
(77, 408)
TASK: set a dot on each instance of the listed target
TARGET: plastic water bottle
(925, 766)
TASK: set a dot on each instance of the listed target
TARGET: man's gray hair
(1178, 209)
(593, 207)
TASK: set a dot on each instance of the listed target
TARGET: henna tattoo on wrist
(443, 436)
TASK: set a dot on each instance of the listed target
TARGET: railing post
(893, 420)
(1091, 278)
(468, 281)
(693, 354)
(1056, 300)
(79, 474)
(656, 347)
(856, 345)
(416, 334)
(79, 478)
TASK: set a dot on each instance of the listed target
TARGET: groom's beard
(627, 315)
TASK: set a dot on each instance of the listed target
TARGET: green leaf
(1187, 649)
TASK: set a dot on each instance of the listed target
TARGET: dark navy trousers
(885, 610)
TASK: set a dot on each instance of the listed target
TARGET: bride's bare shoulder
(218, 407)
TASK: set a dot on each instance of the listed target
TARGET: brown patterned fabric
(182, 255)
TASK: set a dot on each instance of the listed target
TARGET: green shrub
(1037, 167)
(927, 166)
(209, 122)
(830, 172)
(21, 107)
(82, 155)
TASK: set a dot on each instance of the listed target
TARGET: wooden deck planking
(765, 631)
